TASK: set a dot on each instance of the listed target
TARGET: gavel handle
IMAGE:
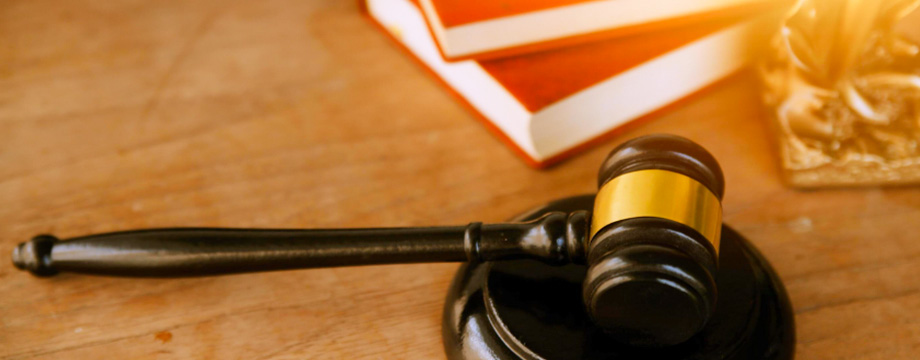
(555, 238)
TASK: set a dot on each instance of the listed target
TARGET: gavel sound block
(644, 269)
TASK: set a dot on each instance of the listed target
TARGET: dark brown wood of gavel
(654, 232)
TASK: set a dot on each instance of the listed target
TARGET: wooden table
(131, 114)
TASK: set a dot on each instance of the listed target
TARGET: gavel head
(652, 253)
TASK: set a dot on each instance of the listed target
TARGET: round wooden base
(528, 310)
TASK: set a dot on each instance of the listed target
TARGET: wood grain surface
(129, 114)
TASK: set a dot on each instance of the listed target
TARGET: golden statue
(844, 91)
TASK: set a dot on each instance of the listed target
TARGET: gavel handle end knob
(35, 255)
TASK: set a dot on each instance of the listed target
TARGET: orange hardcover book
(548, 104)
(474, 29)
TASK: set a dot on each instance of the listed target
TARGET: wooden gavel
(651, 243)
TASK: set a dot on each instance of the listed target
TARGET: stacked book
(551, 77)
